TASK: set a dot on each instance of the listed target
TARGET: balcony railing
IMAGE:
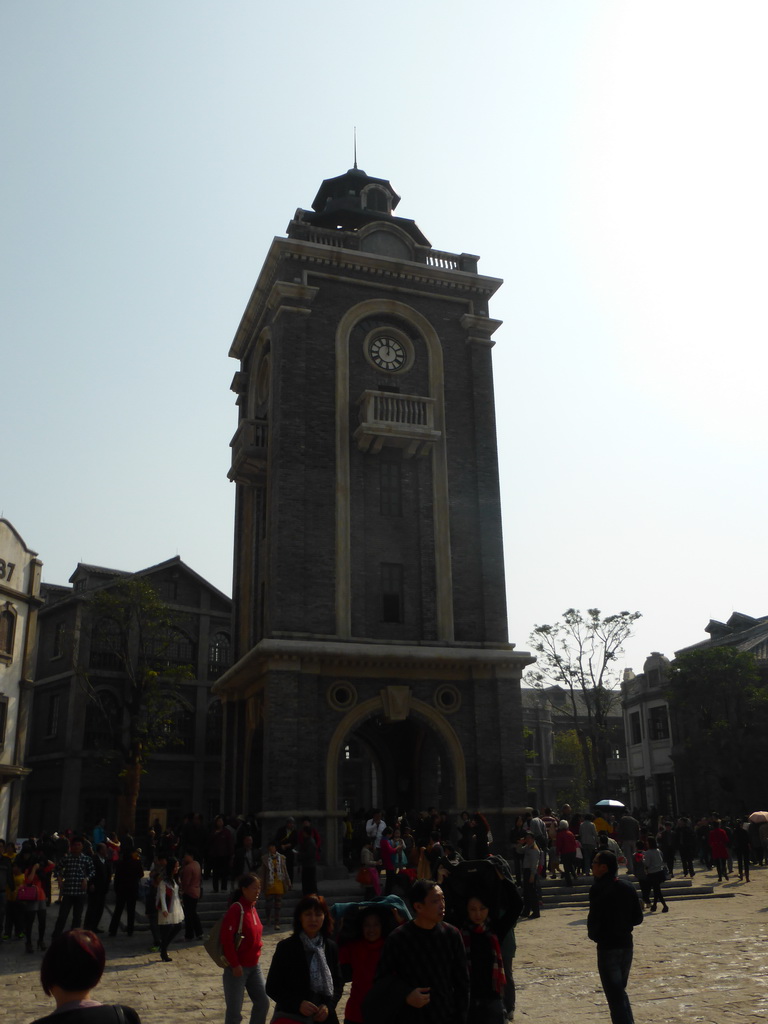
(401, 421)
(249, 451)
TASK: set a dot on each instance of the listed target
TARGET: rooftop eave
(350, 654)
(393, 267)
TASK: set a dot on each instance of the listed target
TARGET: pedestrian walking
(170, 915)
(243, 973)
(614, 910)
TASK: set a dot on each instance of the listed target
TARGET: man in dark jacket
(614, 909)
(98, 887)
(422, 974)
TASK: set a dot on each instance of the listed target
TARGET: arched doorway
(389, 764)
(403, 756)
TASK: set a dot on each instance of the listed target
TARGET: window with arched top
(7, 631)
(377, 199)
(106, 645)
(171, 648)
(177, 734)
(103, 721)
(219, 655)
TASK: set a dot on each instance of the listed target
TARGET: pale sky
(607, 159)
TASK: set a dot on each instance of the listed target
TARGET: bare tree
(580, 654)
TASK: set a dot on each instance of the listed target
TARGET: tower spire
(354, 135)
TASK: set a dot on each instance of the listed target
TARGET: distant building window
(658, 722)
(178, 732)
(635, 728)
(391, 592)
(171, 650)
(106, 645)
(7, 631)
(52, 719)
(166, 590)
(214, 728)
(391, 503)
(653, 676)
(219, 656)
(102, 722)
(58, 639)
(3, 719)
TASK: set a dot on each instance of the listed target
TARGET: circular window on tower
(341, 696)
(389, 349)
(447, 698)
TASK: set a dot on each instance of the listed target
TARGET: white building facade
(648, 737)
(20, 571)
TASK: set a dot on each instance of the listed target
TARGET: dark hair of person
(420, 889)
(652, 844)
(610, 860)
(309, 903)
(74, 961)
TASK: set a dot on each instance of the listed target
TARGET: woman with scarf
(304, 978)
(487, 980)
(241, 944)
(275, 881)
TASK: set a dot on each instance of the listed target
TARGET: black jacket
(288, 979)
(614, 909)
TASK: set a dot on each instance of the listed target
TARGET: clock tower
(372, 662)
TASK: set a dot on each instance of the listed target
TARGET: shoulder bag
(212, 944)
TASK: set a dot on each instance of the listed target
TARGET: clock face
(387, 353)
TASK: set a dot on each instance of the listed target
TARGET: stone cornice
(403, 272)
(372, 659)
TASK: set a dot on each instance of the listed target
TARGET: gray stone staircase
(555, 894)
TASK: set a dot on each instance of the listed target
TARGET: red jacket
(718, 843)
(565, 841)
(249, 951)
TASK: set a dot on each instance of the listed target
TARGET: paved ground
(704, 961)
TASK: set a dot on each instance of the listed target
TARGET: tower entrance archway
(408, 759)
(395, 764)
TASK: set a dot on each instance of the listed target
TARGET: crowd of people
(426, 941)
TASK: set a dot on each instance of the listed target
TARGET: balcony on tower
(399, 421)
(249, 452)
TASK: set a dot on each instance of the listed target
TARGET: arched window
(7, 631)
(171, 649)
(377, 199)
(103, 721)
(178, 730)
(106, 645)
(219, 658)
(214, 728)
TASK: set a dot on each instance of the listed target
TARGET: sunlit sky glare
(608, 160)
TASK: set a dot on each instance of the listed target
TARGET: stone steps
(556, 894)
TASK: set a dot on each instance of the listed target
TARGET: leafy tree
(719, 705)
(134, 633)
(580, 654)
(567, 751)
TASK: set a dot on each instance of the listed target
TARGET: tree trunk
(126, 802)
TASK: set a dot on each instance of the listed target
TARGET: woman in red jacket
(241, 945)
(718, 844)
